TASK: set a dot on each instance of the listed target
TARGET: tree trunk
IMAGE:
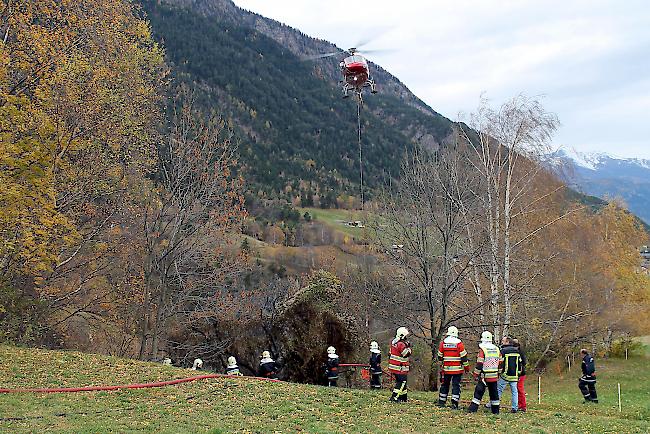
(507, 208)
(434, 370)
(146, 306)
(159, 327)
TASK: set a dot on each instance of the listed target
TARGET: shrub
(619, 346)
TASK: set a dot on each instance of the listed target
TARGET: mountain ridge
(298, 136)
(293, 39)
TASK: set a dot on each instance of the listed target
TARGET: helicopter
(355, 71)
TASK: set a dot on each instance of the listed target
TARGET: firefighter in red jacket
(488, 367)
(398, 363)
(452, 355)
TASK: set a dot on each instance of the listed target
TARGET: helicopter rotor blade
(378, 51)
(321, 56)
(363, 42)
(377, 33)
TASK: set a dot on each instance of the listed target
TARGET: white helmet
(486, 337)
(198, 364)
(374, 345)
(232, 361)
(452, 331)
(402, 332)
(167, 361)
(331, 350)
(266, 355)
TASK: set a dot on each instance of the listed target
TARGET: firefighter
(197, 365)
(398, 364)
(587, 382)
(486, 373)
(375, 366)
(521, 392)
(268, 368)
(453, 357)
(332, 367)
(232, 368)
(511, 370)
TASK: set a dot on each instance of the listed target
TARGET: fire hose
(145, 385)
(361, 365)
(129, 386)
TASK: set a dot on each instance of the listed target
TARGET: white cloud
(589, 57)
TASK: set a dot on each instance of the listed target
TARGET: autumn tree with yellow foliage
(79, 92)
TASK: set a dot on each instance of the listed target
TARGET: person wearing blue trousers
(512, 366)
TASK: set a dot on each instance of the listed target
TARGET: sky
(589, 61)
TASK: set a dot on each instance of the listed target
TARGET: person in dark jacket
(375, 366)
(521, 392)
(511, 371)
(232, 368)
(587, 382)
(268, 368)
(332, 367)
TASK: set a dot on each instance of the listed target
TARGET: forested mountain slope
(298, 137)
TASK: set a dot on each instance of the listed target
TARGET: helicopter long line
(360, 154)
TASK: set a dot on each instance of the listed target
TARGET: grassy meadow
(245, 405)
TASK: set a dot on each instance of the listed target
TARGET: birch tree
(508, 144)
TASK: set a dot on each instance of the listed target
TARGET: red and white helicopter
(355, 71)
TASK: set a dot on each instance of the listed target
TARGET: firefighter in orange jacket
(452, 355)
(488, 367)
(398, 363)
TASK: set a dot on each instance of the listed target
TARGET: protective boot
(473, 407)
(454, 404)
(495, 409)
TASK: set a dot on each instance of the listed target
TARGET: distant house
(645, 252)
(645, 255)
(356, 224)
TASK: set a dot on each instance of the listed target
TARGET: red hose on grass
(129, 386)
(363, 365)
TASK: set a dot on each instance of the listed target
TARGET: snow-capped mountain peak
(594, 160)
(608, 176)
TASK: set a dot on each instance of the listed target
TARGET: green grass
(224, 405)
(336, 219)
(645, 341)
